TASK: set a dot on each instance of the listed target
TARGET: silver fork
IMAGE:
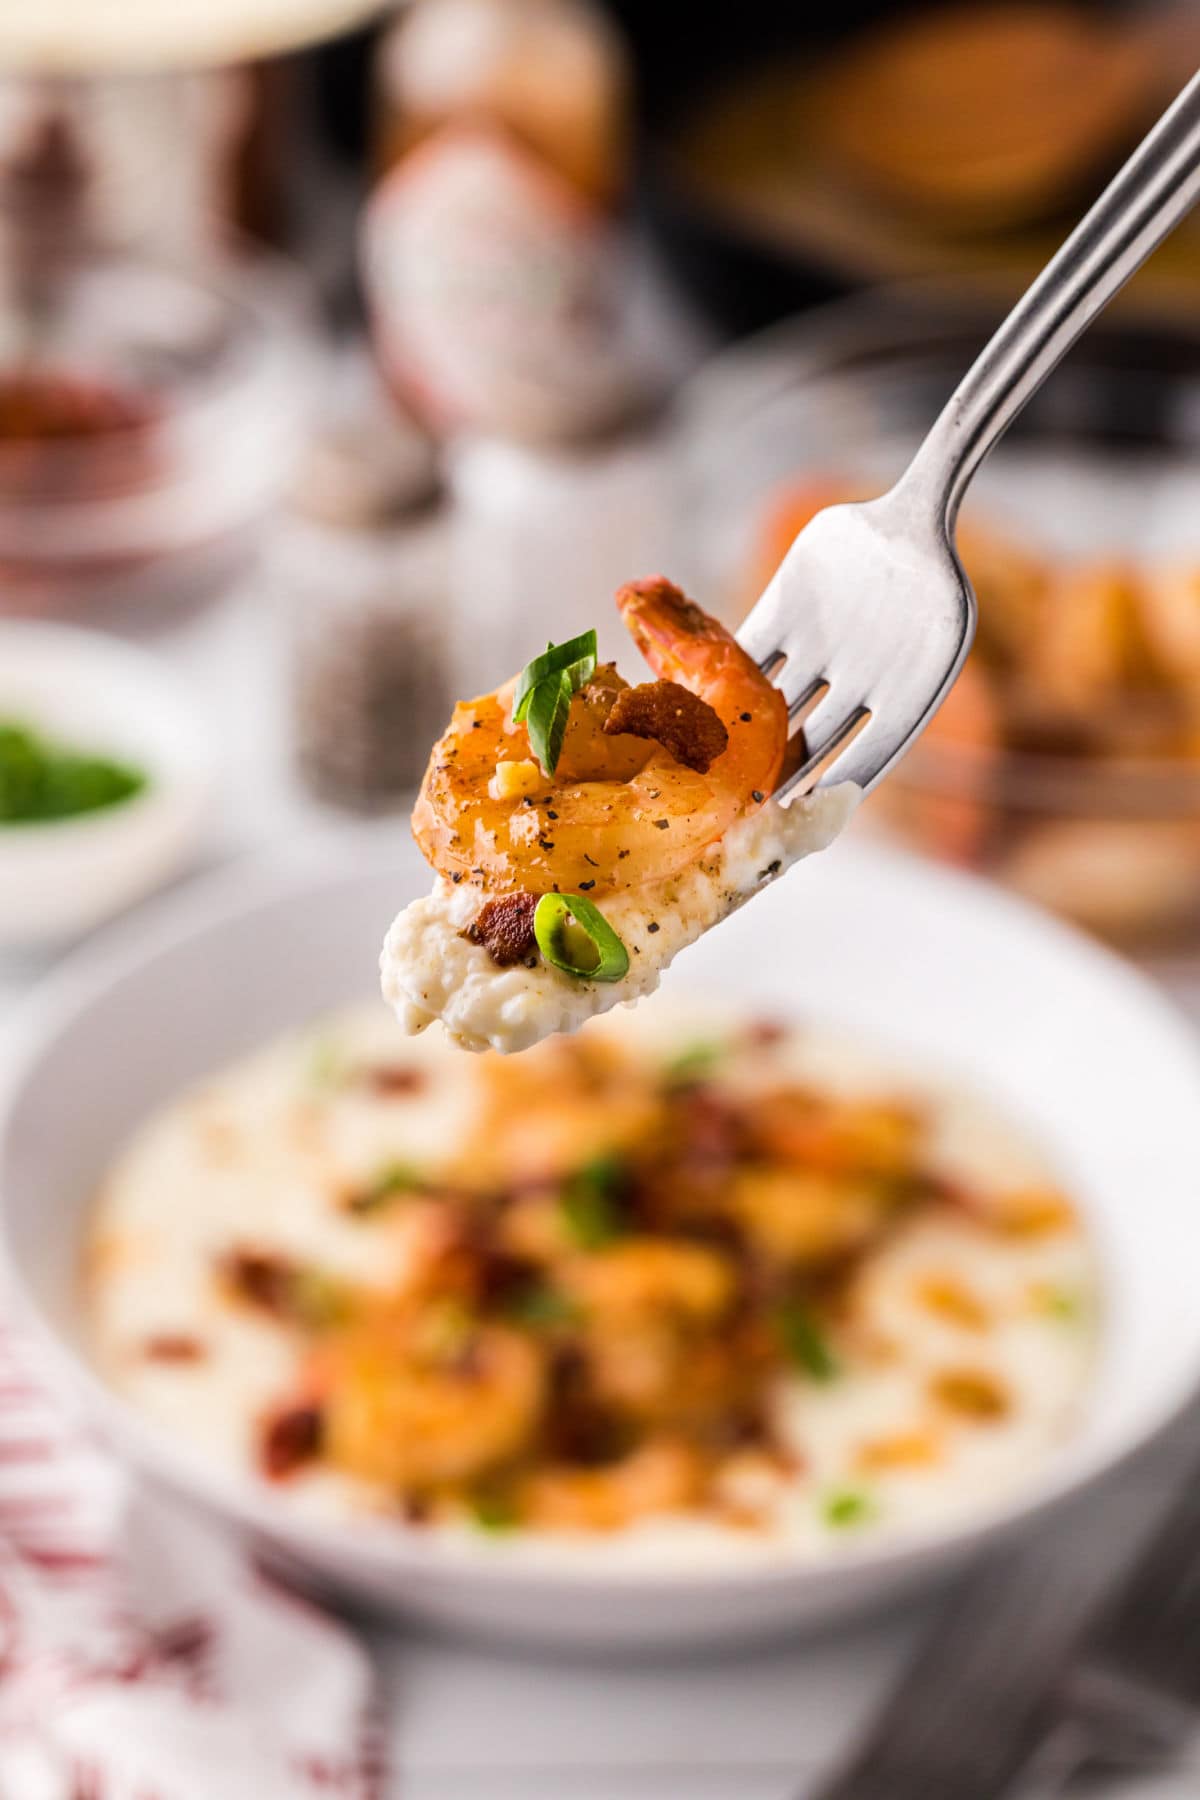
(868, 619)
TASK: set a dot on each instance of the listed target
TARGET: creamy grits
(686, 1289)
(430, 970)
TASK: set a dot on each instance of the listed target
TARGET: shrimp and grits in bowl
(583, 831)
(679, 1285)
(729, 1312)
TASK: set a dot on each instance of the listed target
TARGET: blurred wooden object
(949, 141)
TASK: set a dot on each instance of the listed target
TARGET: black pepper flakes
(545, 844)
(756, 796)
(585, 887)
(590, 861)
(662, 824)
(745, 718)
(550, 814)
(653, 926)
(456, 877)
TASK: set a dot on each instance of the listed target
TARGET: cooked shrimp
(413, 1401)
(663, 1475)
(620, 810)
(650, 1330)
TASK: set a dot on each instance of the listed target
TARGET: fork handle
(1157, 188)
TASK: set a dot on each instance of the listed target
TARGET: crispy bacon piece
(505, 928)
(261, 1278)
(683, 723)
(395, 1078)
(290, 1439)
(173, 1347)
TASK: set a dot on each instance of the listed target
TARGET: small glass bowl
(150, 419)
(1105, 460)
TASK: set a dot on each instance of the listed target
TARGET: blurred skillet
(956, 140)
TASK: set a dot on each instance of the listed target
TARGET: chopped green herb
(542, 699)
(326, 1063)
(42, 781)
(590, 1202)
(541, 1308)
(445, 1331)
(316, 1300)
(393, 1179)
(846, 1508)
(575, 937)
(1062, 1304)
(804, 1342)
(693, 1064)
(494, 1512)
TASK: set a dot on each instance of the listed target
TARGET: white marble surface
(467, 1724)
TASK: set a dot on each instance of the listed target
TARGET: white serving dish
(59, 879)
(939, 965)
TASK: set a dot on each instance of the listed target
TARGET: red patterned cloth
(143, 1655)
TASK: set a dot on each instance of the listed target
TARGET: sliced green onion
(575, 937)
(542, 699)
(590, 1202)
(803, 1341)
(845, 1508)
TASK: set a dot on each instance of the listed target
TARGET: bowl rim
(259, 883)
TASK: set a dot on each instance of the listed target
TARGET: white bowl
(61, 878)
(956, 973)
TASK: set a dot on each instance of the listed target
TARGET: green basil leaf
(560, 916)
(546, 719)
(575, 659)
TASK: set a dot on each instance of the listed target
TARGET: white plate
(96, 693)
(939, 965)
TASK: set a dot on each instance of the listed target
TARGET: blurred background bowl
(149, 425)
(61, 877)
(939, 969)
(1068, 761)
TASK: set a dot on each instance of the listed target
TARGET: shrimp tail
(682, 642)
(659, 618)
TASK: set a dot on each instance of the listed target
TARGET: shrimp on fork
(567, 791)
(622, 806)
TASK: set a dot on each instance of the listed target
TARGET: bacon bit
(764, 1034)
(505, 928)
(395, 1078)
(261, 1278)
(950, 1299)
(174, 1347)
(684, 724)
(903, 1450)
(289, 1440)
(972, 1392)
